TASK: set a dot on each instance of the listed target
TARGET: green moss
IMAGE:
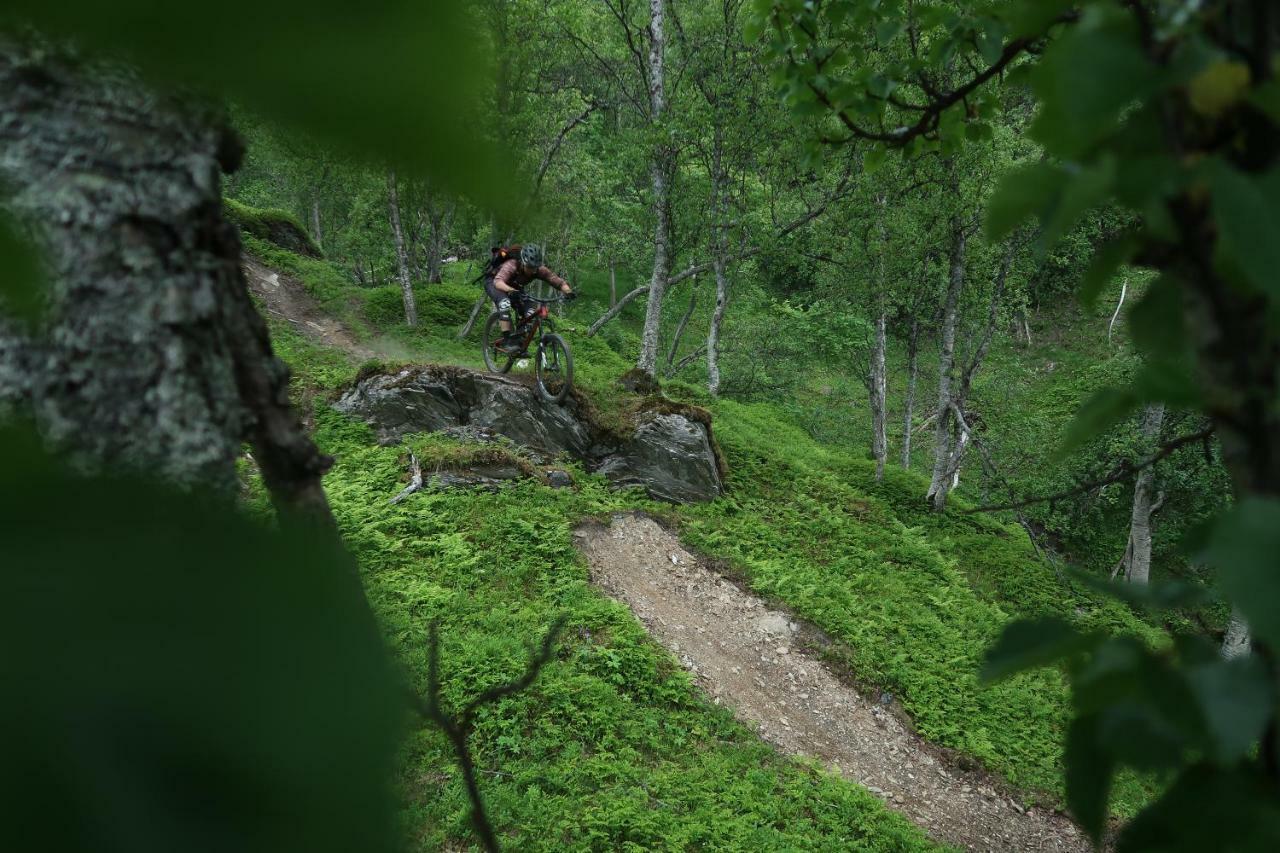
(278, 227)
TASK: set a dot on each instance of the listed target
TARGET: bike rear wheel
(494, 359)
(554, 369)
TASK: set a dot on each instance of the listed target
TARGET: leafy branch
(1124, 470)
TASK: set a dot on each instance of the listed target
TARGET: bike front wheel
(554, 369)
(494, 359)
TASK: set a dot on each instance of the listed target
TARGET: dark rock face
(669, 456)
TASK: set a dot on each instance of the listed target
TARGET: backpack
(499, 255)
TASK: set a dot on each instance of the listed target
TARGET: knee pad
(504, 304)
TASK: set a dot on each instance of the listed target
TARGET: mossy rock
(277, 227)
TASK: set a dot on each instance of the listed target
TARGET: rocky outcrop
(669, 457)
(669, 454)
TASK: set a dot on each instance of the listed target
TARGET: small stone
(782, 650)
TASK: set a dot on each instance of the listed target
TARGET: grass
(614, 748)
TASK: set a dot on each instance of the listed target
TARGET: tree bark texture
(659, 173)
(913, 370)
(152, 356)
(939, 484)
(402, 256)
(1137, 558)
(1236, 642)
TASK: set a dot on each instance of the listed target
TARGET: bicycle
(552, 360)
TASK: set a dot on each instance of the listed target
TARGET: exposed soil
(744, 655)
(286, 299)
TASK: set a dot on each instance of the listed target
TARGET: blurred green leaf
(1033, 17)
(1103, 410)
(1022, 193)
(178, 677)
(1169, 380)
(1157, 323)
(1243, 548)
(1247, 210)
(1267, 99)
(1166, 595)
(20, 282)
(1029, 644)
(1106, 260)
(1236, 699)
(1089, 771)
(1082, 189)
(1085, 80)
(1209, 809)
(403, 80)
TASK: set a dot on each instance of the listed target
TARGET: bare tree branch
(1125, 470)
(458, 727)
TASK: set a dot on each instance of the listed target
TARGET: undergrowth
(614, 748)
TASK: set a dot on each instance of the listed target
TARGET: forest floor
(752, 659)
(287, 299)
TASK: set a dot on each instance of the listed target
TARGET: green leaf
(1086, 79)
(21, 280)
(1236, 700)
(1022, 193)
(1106, 260)
(1209, 809)
(1103, 410)
(991, 42)
(979, 131)
(1033, 17)
(1082, 189)
(881, 86)
(1247, 210)
(197, 674)
(402, 80)
(874, 159)
(1089, 772)
(1171, 381)
(1157, 323)
(1167, 595)
(1243, 548)
(1267, 99)
(1029, 644)
(887, 31)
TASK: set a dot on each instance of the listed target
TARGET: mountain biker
(505, 287)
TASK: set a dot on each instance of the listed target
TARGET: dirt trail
(286, 299)
(742, 654)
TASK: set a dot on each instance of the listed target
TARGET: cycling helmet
(531, 256)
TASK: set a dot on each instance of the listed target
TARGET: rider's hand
(570, 295)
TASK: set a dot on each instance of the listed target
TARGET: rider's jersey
(511, 274)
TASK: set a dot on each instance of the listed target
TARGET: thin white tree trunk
(719, 203)
(613, 283)
(1124, 289)
(315, 223)
(1236, 643)
(938, 486)
(659, 173)
(1138, 552)
(684, 322)
(913, 369)
(878, 380)
(402, 257)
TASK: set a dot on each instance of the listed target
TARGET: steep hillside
(614, 744)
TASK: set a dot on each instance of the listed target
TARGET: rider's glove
(570, 296)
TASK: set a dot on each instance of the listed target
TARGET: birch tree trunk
(402, 256)
(878, 383)
(1137, 559)
(913, 370)
(939, 484)
(1236, 643)
(315, 223)
(613, 283)
(684, 322)
(153, 357)
(719, 251)
(659, 175)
